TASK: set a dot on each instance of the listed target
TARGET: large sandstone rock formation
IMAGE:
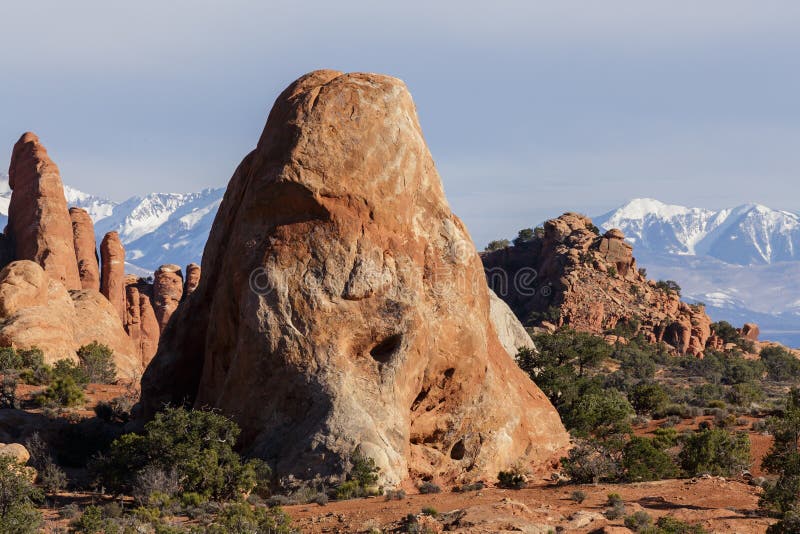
(167, 292)
(85, 248)
(570, 275)
(510, 331)
(37, 311)
(140, 318)
(192, 279)
(112, 283)
(38, 221)
(343, 305)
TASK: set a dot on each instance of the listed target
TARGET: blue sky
(530, 108)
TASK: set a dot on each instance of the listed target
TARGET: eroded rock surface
(342, 305)
(38, 221)
(112, 284)
(85, 248)
(167, 292)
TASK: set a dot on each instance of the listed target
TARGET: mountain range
(742, 262)
(156, 228)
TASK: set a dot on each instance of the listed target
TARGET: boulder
(39, 225)
(509, 330)
(343, 306)
(57, 321)
(167, 292)
(750, 331)
(192, 279)
(85, 248)
(140, 319)
(16, 451)
(112, 283)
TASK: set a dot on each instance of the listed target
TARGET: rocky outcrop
(509, 330)
(192, 279)
(38, 311)
(112, 283)
(750, 331)
(39, 225)
(569, 275)
(140, 319)
(342, 305)
(167, 292)
(85, 248)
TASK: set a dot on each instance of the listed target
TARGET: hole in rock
(421, 397)
(458, 451)
(383, 351)
(449, 373)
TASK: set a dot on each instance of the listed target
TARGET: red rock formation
(167, 292)
(140, 319)
(85, 248)
(575, 277)
(112, 283)
(750, 331)
(37, 311)
(192, 279)
(38, 221)
(342, 305)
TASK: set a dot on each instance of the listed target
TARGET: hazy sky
(530, 108)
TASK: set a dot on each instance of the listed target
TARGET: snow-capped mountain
(746, 235)
(156, 229)
(743, 262)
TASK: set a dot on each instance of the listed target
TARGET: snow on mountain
(157, 228)
(746, 235)
(743, 262)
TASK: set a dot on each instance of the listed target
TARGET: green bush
(429, 487)
(511, 479)
(62, 392)
(498, 244)
(361, 479)
(639, 521)
(669, 286)
(578, 496)
(783, 459)
(715, 451)
(669, 525)
(197, 445)
(8, 393)
(18, 497)
(71, 370)
(241, 518)
(591, 461)
(97, 361)
(524, 236)
(643, 460)
(647, 397)
(744, 394)
(781, 364)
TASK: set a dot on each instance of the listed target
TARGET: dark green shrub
(578, 496)
(97, 361)
(511, 479)
(591, 461)
(18, 513)
(62, 392)
(524, 236)
(745, 394)
(498, 244)
(715, 451)
(52, 478)
(643, 461)
(669, 286)
(429, 487)
(241, 518)
(8, 393)
(669, 525)
(647, 397)
(395, 495)
(69, 369)
(431, 511)
(9, 359)
(783, 459)
(361, 479)
(781, 364)
(197, 445)
(91, 521)
(639, 521)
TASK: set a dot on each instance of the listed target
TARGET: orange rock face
(167, 292)
(112, 283)
(192, 279)
(85, 248)
(39, 225)
(38, 311)
(140, 319)
(342, 305)
(574, 277)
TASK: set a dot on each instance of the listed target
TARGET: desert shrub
(431, 511)
(737, 370)
(241, 518)
(52, 478)
(117, 410)
(8, 393)
(725, 331)
(781, 364)
(647, 397)
(97, 361)
(498, 244)
(664, 438)
(715, 451)
(669, 286)
(9, 359)
(635, 363)
(615, 511)
(669, 525)
(783, 459)
(601, 414)
(429, 487)
(18, 498)
(395, 495)
(155, 481)
(578, 496)
(511, 479)
(592, 461)
(789, 524)
(91, 521)
(744, 394)
(524, 236)
(639, 521)
(643, 460)
(361, 479)
(704, 394)
(62, 392)
(39, 376)
(69, 369)
(197, 444)
(612, 271)
(475, 486)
